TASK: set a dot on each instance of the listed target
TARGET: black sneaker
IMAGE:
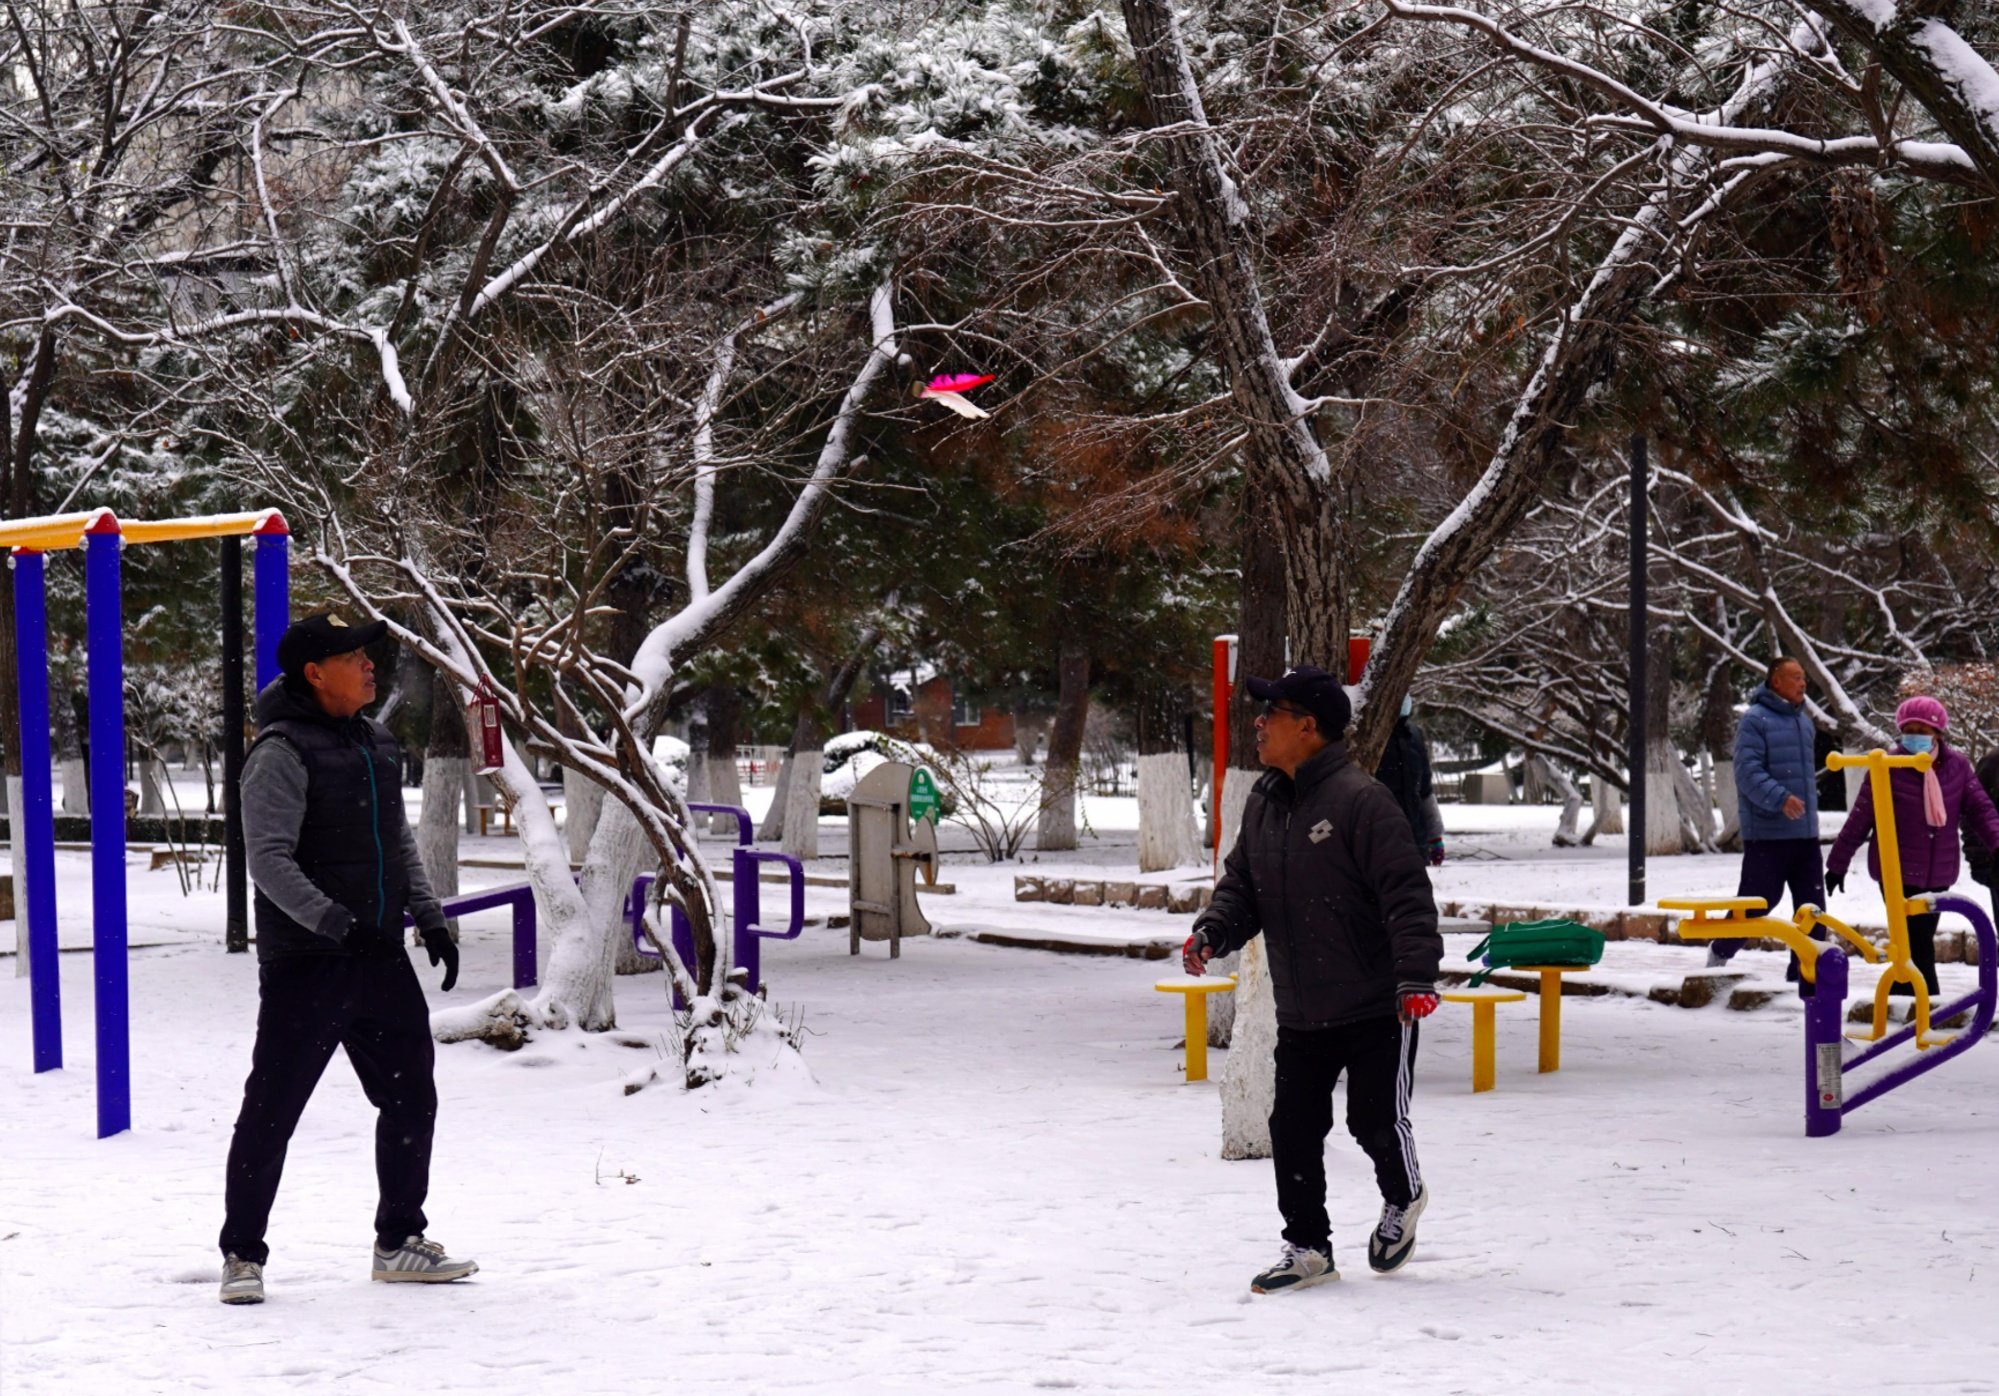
(1394, 1236)
(1299, 1267)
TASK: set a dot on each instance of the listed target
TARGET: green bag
(1552, 942)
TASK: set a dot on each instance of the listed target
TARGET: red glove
(1196, 953)
(1418, 1003)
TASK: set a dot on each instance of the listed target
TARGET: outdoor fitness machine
(746, 953)
(1828, 1095)
(102, 536)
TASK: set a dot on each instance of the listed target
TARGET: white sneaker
(242, 1281)
(1299, 1267)
(417, 1261)
(1715, 959)
(1395, 1234)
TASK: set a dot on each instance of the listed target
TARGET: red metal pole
(1224, 659)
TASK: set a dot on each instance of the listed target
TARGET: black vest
(350, 844)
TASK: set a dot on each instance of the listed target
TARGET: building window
(899, 708)
(964, 712)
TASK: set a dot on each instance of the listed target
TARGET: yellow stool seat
(1484, 1002)
(1194, 989)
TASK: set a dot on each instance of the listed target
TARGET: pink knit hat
(1923, 708)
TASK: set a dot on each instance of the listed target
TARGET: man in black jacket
(1327, 870)
(336, 866)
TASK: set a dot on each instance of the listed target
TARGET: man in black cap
(336, 867)
(1327, 870)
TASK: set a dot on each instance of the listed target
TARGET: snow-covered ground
(996, 1182)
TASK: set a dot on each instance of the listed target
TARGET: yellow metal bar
(1197, 1036)
(199, 526)
(49, 533)
(1888, 851)
(1484, 1045)
(1551, 1020)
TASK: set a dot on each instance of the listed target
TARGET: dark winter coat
(1405, 770)
(1774, 760)
(1981, 860)
(1929, 856)
(329, 845)
(1327, 871)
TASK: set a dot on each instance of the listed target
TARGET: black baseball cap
(1314, 690)
(321, 637)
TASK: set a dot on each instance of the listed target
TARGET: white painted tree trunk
(18, 851)
(75, 786)
(1249, 1083)
(583, 805)
(801, 805)
(1167, 834)
(1663, 831)
(1731, 810)
(725, 787)
(475, 793)
(1606, 809)
(437, 821)
(152, 786)
(1055, 824)
(772, 829)
(699, 783)
(1236, 785)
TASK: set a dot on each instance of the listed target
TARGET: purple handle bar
(1826, 1101)
(748, 908)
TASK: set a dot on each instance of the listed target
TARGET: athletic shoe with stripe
(1394, 1235)
(417, 1261)
(242, 1281)
(1299, 1267)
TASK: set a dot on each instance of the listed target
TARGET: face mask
(1915, 745)
(1408, 705)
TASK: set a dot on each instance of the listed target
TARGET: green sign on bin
(924, 802)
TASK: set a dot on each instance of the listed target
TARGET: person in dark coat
(1981, 863)
(1931, 807)
(1405, 769)
(336, 867)
(1327, 871)
(1777, 801)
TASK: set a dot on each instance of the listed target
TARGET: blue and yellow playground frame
(1836, 1084)
(102, 536)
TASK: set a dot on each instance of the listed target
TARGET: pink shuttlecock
(948, 388)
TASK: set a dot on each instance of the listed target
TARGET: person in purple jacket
(1929, 808)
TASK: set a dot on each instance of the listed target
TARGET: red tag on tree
(492, 751)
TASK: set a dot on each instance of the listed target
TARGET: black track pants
(1379, 1059)
(309, 1006)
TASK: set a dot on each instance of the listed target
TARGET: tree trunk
(1055, 826)
(772, 829)
(1249, 1082)
(1260, 611)
(1606, 809)
(1284, 457)
(1663, 832)
(69, 753)
(725, 785)
(1167, 834)
(1718, 735)
(446, 764)
(808, 771)
(153, 780)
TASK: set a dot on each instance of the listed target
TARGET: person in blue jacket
(1777, 800)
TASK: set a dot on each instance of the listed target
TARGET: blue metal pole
(274, 601)
(105, 630)
(37, 901)
(1825, 1037)
(524, 948)
(749, 917)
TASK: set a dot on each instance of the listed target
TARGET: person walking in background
(1983, 864)
(1326, 872)
(1930, 809)
(1777, 796)
(1405, 770)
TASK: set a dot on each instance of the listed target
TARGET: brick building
(925, 709)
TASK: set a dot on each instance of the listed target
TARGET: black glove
(1196, 953)
(1834, 882)
(437, 940)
